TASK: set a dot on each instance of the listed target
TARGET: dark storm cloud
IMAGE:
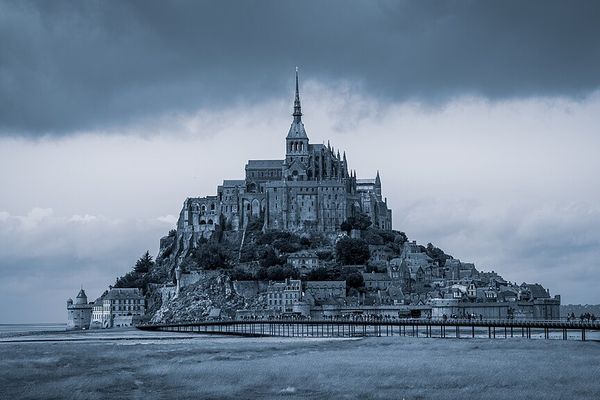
(68, 66)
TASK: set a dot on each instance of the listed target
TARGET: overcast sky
(482, 118)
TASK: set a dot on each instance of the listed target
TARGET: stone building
(310, 189)
(376, 280)
(326, 290)
(281, 296)
(79, 313)
(304, 260)
(118, 307)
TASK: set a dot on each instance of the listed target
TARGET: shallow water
(153, 365)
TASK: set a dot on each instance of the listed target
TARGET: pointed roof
(297, 129)
(297, 108)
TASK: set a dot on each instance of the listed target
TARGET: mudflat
(129, 364)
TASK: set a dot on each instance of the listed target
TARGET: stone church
(311, 189)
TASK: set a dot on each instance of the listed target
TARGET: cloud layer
(508, 185)
(68, 67)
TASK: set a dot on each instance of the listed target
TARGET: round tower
(81, 297)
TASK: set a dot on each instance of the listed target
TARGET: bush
(318, 274)
(360, 221)
(255, 224)
(350, 251)
(239, 274)
(373, 238)
(268, 258)
(325, 255)
(286, 246)
(355, 280)
(326, 274)
(437, 254)
(276, 273)
(211, 256)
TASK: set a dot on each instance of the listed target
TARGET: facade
(376, 280)
(281, 296)
(304, 260)
(118, 307)
(310, 189)
(326, 290)
(79, 313)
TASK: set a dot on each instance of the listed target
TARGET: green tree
(144, 263)
(355, 280)
(350, 251)
(211, 256)
(437, 254)
(360, 221)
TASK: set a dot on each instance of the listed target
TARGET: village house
(119, 307)
(325, 290)
(281, 296)
(304, 260)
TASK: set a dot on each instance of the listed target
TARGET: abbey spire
(297, 107)
(297, 129)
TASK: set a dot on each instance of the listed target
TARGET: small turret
(81, 297)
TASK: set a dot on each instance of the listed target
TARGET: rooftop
(264, 164)
(123, 293)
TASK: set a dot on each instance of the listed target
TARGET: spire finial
(297, 108)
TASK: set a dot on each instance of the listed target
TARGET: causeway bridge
(429, 328)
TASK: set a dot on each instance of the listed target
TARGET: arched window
(203, 207)
(210, 221)
(212, 206)
(202, 222)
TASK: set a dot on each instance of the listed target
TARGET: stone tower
(296, 153)
(79, 313)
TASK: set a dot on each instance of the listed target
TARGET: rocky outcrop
(200, 300)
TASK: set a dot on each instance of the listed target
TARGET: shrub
(211, 256)
(355, 280)
(239, 274)
(373, 238)
(276, 273)
(350, 251)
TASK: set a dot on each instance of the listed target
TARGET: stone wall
(246, 289)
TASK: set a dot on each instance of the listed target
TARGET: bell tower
(296, 143)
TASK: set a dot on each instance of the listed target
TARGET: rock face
(208, 298)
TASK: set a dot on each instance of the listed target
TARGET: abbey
(311, 189)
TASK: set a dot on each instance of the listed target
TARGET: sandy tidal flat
(132, 364)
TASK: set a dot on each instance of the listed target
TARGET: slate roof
(264, 164)
(123, 293)
(365, 181)
(233, 182)
(325, 284)
(297, 131)
(537, 291)
(375, 276)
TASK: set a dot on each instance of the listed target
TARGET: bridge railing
(500, 323)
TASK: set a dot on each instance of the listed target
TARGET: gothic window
(212, 206)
